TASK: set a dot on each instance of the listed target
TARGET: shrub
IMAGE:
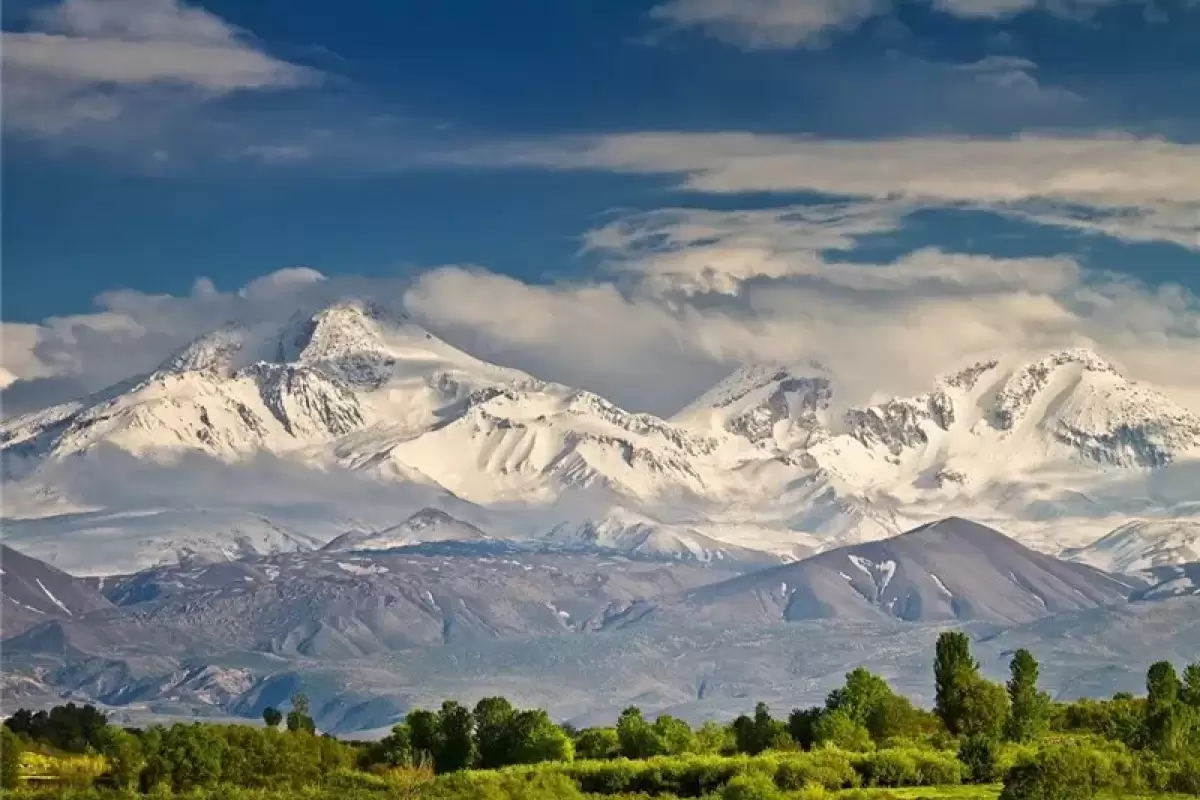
(751, 786)
(829, 768)
(887, 768)
(1185, 776)
(10, 758)
(981, 757)
(1063, 771)
(598, 743)
(911, 767)
(935, 768)
(836, 728)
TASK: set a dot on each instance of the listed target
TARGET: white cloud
(778, 24)
(94, 61)
(984, 8)
(131, 333)
(768, 24)
(705, 288)
(1137, 188)
(1106, 171)
(688, 295)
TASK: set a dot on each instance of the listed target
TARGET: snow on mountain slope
(629, 533)
(759, 462)
(1069, 412)
(112, 542)
(1142, 545)
(782, 407)
(1178, 580)
(427, 525)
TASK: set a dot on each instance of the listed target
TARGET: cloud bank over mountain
(681, 297)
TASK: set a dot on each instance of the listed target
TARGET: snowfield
(373, 420)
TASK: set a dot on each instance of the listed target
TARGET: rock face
(766, 460)
(950, 570)
(1178, 580)
(371, 634)
(32, 593)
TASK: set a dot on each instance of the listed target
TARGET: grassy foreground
(447, 792)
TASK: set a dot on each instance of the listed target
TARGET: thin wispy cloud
(693, 293)
(82, 62)
(783, 24)
(1142, 189)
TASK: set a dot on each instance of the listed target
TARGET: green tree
(1030, 708)
(1163, 687)
(981, 756)
(123, 751)
(536, 738)
(637, 736)
(494, 734)
(272, 716)
(425, 734)
(457, 727)
(896, 716)
(1191, 685)
(869, 701)
(68, 727)
(801, 725)
(837, 728)
(984, 708)
(677, 736)
(862, 693)
(191, 757)
(298, 719)
(715, 739)
(598, 743)
(1167, 721)
(1058, 772)
(953, 671)
(394, 750)
(761, 732)
(10, 758)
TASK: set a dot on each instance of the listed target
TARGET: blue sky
(149, 143)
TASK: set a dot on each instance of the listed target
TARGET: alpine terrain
(397, 437)
(345, 504)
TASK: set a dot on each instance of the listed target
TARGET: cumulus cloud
(724, 288)
(131, 332)
(93, 61)
(685, 296)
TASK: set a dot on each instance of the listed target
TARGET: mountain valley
(346, 504)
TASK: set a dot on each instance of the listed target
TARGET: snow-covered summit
(775, 405)
(760, 461)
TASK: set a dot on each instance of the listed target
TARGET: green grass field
(973, 793)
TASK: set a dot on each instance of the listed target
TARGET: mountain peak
(779, 405)
(345, 328)
(217, 351)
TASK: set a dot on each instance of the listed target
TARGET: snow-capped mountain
(761, 462)
(427, 525)
(1143, 545)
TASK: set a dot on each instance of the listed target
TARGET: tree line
(977, 731)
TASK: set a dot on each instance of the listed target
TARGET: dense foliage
(863, 736)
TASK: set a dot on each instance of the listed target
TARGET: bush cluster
(863, 737)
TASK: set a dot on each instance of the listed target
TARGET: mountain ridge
(758, 463)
